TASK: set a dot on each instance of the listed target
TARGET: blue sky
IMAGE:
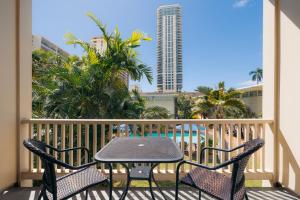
(222, 39)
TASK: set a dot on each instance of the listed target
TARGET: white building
(100, 44)
(40, 42)
(169, 49)
(167, 101)
(252, 96)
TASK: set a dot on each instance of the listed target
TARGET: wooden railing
(190, 135)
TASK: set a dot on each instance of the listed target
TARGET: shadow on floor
(141, 194)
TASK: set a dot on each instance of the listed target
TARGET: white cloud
(241, 3)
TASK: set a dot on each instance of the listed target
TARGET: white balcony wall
(281, 70)
(15, 84)
(8, 98)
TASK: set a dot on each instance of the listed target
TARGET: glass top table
(146, 150)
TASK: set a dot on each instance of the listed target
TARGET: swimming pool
(178, 136)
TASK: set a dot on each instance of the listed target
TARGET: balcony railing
(190, 135)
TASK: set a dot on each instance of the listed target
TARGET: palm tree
(135, 106)
(43, 64)
(91, 86)
(156, 112)
(120, 55)
(203, 89)
(184, 105)
(257, 75)
(220, 104)
(110, 93)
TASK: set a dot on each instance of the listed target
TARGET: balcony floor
(141, 193)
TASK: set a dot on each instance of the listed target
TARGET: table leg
(152, 178)
(125, 191)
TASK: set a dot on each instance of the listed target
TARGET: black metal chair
(64, 187)
(217, 185)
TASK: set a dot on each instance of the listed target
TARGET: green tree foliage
(90, 86)
(203, 89)
(44, 64)
(221, 103)
(257, 75)
(134, 109)
(156, 112)
(185, 104)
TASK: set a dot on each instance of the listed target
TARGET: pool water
(178, 136)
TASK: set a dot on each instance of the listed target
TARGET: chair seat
(77, 181)
(211, 182)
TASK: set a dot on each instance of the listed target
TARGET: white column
(24, 87)
(15, 86)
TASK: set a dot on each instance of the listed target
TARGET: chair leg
(110, 182)
(246, 196)
(45, 197)
(151, 189)
(177, 180)
(199, 194)
(41, 193)
(86, 194)
(176, 189)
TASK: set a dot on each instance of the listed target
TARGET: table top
(140, 150)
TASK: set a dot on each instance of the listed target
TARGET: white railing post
(102, 143)
(174, 139)
(71, 140)
(95, 140)
(182, 143)
(79, 144)
(55, 141)
(190, 144)
(87, 141)
(63, 143)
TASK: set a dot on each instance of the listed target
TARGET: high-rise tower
(169, 48)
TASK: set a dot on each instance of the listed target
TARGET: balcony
(277, 164)
(190, 135)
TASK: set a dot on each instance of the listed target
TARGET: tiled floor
(141, 194)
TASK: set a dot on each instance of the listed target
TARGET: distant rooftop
(170, 94)
(169, 5)
(251, 87)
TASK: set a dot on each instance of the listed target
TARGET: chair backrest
(48, 161)
(240, 162)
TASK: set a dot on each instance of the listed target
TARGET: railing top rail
(152, 121)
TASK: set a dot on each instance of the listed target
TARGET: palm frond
(236, 103)
(99, 24)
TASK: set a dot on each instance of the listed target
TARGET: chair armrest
(71, 149)
(195, 164)
(75, 167)
(226, 163)
(219, 149)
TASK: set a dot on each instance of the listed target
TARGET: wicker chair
(217, 185)
(71, 184)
